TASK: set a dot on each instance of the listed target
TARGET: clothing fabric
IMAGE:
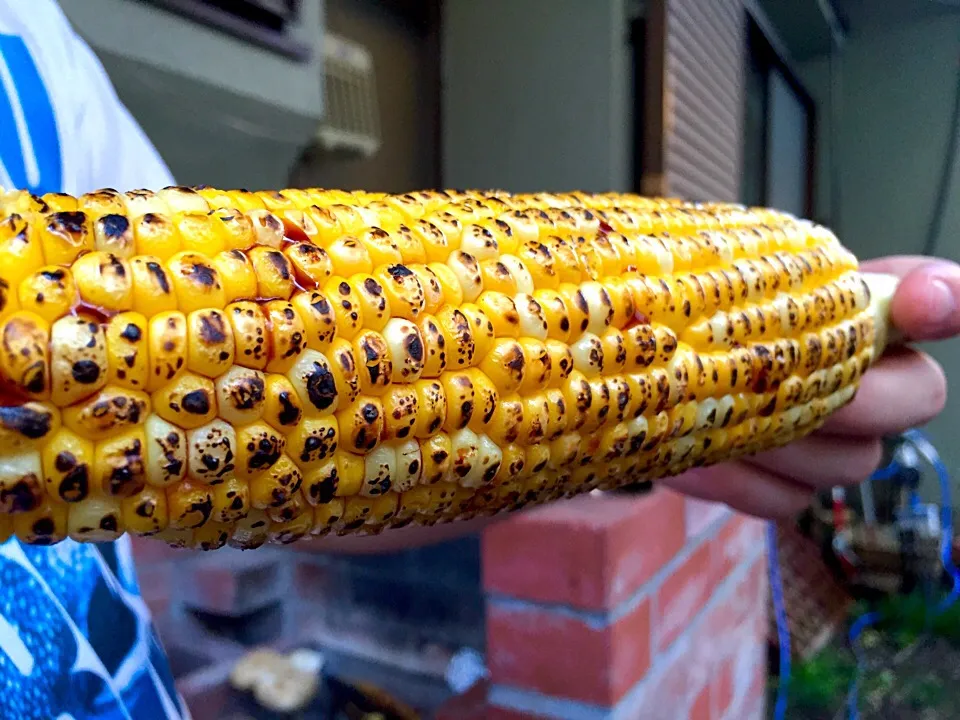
(76, 638)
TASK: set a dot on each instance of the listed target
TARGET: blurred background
(840, 110)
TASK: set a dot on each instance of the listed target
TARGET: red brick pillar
(623, 606)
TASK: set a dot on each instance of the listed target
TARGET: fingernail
(944, 295)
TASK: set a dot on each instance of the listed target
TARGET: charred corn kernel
(127, 351)
(21, 251)
(432, 290)
(167, 337)
(78, 362)
(347, 307)
(231, 500)
(405, 348)
(44, 525)
(50, 292)
(152, 287)
(154, 234)
(286, 333)
(211, 452)
(434, 346)
(349, 257)
(267, 227)
(25, 354)
(375, 365)
(146, 512)
(21, 482)
(250, 532)
(109, 412)
(537, 365)
(195, 282)
(311, 264)
(400, 408)
(485, 399)
(274, 273)
(282, 407)
(403, 291)
(315, 383)
(258, 447)
(373, 303)
(449, 284)
(165, 452)
(320, 483)
(313, 443)
(275, 486)
(64, 236)
(119, 464)
(189, 401)
(505, 365)
(189, 505)
(211, 536)
(240, 395)
(249, 329)
(561, 362)
(67, 461)
(210, 343)
(467, 271)
(234, 228)
(319, 319)
(95, 519)
(237, 275)
(361, 424)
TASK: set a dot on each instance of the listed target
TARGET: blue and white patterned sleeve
(76, 638)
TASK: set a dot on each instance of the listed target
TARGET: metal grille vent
(351, 121)
(703, 97)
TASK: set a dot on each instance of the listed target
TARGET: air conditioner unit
(230, 91)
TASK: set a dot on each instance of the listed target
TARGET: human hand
(904, 389)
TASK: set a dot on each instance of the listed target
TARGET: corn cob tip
(225, 367)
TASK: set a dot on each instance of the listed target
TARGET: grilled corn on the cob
(230, 367)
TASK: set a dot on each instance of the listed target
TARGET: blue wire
(783, 629)
(929, 452)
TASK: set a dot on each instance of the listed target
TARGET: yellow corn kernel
(50, 292)
(403, 291)
(127, 351)
(146, 512)
(189, 401)
(372, 302)
(189, 505)
(211, 451)
(231, 500)
(274, 487)
(21, 250)
(67, 464)
(64, 236)
(237, 275)
(167, 340)
(155, 235)
(349, 257)
(109, 412)
(286, 333)
(312, 265)
(95, 519)
(210, 344)
(343, 365)
(25, 360)
(274, 273)
(195, 282)
(361, 424)
(78, 362)
(119, 464)
(282, 407)
(234, 228)
(319, 319)
(152, 287)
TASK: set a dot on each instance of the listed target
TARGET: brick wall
(622, 606)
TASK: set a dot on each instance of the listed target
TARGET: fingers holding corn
(232, 368)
